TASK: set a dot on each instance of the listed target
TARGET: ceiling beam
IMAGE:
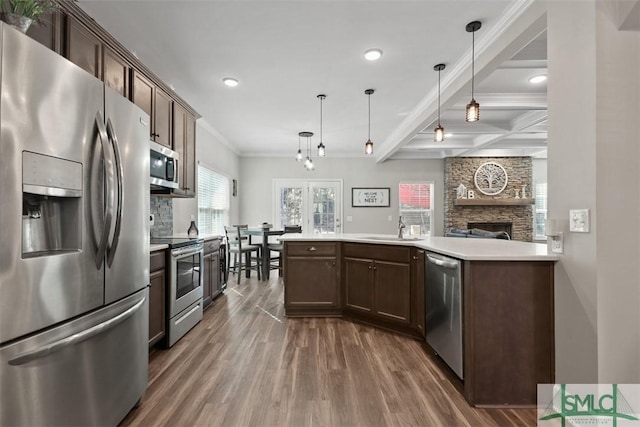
(522, 23)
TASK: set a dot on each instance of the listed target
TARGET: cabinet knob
(312, 249)
(375, 268)
(415, 258)
(369, 267)
(333, 264)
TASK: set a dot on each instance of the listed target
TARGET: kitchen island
(507, 300)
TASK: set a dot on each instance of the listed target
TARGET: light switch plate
(579, 220)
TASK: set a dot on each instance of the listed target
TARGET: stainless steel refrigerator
(74, 242)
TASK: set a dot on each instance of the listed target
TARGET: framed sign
(370, 197)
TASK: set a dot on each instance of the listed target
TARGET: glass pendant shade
(473, 111)
(299, 155)
(321, 148)
(473, 108)
(368, 146)
(438, 132)
(438, 135)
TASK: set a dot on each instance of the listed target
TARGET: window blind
(213, 201)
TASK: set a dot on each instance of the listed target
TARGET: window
(416, 207)
(314, 205)
(541, 211)
(213, 201)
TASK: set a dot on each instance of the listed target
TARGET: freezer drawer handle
(76, 338)
(442, 263)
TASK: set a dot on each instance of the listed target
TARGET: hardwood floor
(246, 364)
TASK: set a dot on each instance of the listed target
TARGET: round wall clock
(490, 178)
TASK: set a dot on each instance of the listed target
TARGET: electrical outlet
(349, 218)
(390, 218)
(151, 219)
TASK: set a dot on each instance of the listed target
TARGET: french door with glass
(315, 205)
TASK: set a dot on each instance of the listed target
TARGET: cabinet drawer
(212, 245)
(311, 249)
(381, 252)
(157, 260)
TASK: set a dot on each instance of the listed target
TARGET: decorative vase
(192, 232)
(19, 22)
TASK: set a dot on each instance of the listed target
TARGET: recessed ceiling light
(448, 135)
(372, 54)
(538, 79)
(230, 81)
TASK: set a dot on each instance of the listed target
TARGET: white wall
(256, 187)
(617, 204)
(592, 163)
(214, 154)
(539, 170)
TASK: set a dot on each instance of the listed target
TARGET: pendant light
(368, 146)
(308, 163)
(438, 135)
(321, 148)
(473, 108)
(299, 153)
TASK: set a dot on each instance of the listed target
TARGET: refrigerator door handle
(77, 338)
(108, 217)
(113, 138)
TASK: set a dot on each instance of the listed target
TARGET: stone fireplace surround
(461, 170)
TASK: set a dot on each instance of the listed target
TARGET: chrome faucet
(401, 227)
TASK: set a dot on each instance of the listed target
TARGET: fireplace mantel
(493, 202)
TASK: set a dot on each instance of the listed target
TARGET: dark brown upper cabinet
(184, 142)
(115, 71)
(48, 31)
(83, 48)
(157, 104)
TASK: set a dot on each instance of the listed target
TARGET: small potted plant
(22, 13)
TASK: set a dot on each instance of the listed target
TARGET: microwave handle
(171, 166)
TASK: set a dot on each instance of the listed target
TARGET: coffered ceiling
(284, 53)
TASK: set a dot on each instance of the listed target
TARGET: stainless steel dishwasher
(443, 320)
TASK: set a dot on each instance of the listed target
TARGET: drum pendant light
(473, 108)
(368, 146)
(321, 148)
(438, 135)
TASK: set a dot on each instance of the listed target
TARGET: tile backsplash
(162, 209)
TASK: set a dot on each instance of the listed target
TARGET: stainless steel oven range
(184, 285)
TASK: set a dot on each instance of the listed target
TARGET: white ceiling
(284, 53)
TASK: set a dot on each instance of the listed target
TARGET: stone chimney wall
(461, 170)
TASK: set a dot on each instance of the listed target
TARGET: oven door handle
(188, 251)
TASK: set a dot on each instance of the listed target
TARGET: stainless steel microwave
(163, 167)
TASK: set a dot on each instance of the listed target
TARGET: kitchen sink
(395, 239)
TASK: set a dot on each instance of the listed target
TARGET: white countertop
(153, 248)
(463, 248)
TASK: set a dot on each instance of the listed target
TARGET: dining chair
(238, 245)
(277, 247)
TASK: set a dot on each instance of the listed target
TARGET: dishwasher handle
(446, 263)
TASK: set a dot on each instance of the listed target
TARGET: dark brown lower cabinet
(417, 290)
(508, 314)
(508, 331)
(312, 278)
(157, 286)
(212, 277)
(377, 281)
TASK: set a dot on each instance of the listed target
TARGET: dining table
(265, 232)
